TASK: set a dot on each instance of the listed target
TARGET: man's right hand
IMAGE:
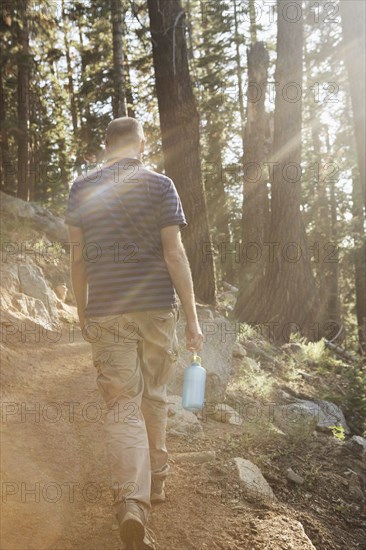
(194, 336)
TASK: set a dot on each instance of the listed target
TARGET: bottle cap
(196, 358)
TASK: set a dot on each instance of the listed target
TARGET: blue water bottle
(194, 385)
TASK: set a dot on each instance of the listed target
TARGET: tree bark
(285, 299)
(333, 324)
(253, 24)
(6, 173)
(119, 97)
(23, 100)
(353, 14)
(359, 257)
(179, 122)
(129, 94)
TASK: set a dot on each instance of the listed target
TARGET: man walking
(128, 264)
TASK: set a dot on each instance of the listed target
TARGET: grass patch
(258, 385)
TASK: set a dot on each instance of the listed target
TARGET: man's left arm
(78, 271)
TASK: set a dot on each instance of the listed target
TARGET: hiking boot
(157, 490)
(133, 531)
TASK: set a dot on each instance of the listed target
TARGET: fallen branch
(341, 352)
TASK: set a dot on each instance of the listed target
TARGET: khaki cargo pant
(135, 355)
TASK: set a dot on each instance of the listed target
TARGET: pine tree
(285, 300)
(353, 15)
(179, 122)
(23, 98)
(118, 75)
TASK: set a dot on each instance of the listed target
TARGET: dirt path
(55, 481)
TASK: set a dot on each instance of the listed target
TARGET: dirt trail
(61, 458)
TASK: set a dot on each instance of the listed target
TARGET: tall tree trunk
(85, 115)
(321, 210)
(179, 122)
(129, 94)
(23, 100)
(359, 257)
(353, 14)
(119, 97)
(255, 194)
(333, 326)
(6, 178)
(253, 24)
(216, 195)
(73, 109)
(284, 300)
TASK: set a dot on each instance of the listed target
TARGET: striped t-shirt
(121, 209)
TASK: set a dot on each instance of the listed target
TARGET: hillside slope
(266, 407)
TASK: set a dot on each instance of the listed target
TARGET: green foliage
(356, 397)
(338, 432)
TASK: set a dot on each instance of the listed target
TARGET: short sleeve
(72, 213)
(171, 209)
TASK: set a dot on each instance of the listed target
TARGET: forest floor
(55, 478)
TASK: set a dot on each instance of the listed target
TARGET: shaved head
(123, 135)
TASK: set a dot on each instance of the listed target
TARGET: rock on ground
(327, 414)
(223, 413)
(33, 283)
(307, 415)
(293, 476)
(256, 488)
(357, 445)
(180, 421)
(281, 532)
(26, 297)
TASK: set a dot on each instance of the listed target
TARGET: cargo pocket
(162, 314)
(116, 381)
(170, 363)
(163, 335)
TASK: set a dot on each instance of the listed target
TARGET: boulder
(21, 314)
(294, 420)
(223, 413)
(357, 445)
(9, 278)
(307, 415)
(180, 421)
(274, 532)
(251, 479)
(33, 283)
(219, 338)
(326, 413)
(53, 226)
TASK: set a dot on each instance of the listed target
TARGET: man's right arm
(179, 270)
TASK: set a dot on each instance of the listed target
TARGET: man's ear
(142, 146)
